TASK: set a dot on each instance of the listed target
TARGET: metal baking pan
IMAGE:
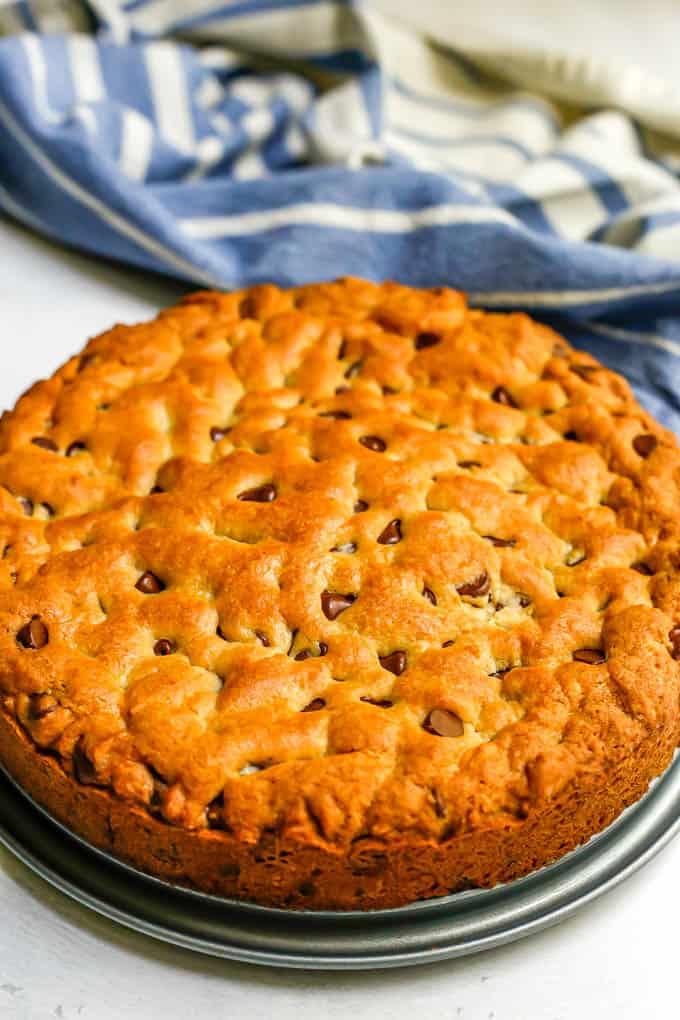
(422, 932)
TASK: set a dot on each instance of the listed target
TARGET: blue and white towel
(228, 142)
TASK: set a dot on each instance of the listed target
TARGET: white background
(617, 959)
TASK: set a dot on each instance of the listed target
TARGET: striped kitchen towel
(228, 142)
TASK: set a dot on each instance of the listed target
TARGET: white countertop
(615, 959)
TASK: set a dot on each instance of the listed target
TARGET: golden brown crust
(288, 872)
(349, 572)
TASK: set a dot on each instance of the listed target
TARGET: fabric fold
(295, 140)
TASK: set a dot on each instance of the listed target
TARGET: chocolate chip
(308, 653)
(645, 443)
(503, 396)
(469, 463)
(388, 391)
(262, 494)
(149, 584)
(45, 443)
(501, 543)
(345, 547)
(395, 662)
(247, 307)
(374, 443)
(643, 568)
(26, 505)
(73, 448)
(342, 350)
(430, 596)
(365, 858)
(360, 506)
(33, 634)
(219, 432)
(353, 370)
(40, 706)
(82, 766)
(476, 587)
(584, 371)
(333, 603)
(315, 706)
(442, 722)
(220, 633)
(523, 599)
(591, 656)
(155, 490)
(48, 508)
(674, 638)
(215, 813)
(391, 533)
(262, 638)
(424, 340)
(164, 647)
(336, 415)
(447, 644)
(378, 702)
(85, 360)
(571, 436)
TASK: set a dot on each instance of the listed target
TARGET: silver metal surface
(420, 933)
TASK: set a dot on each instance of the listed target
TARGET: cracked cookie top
(347, 560)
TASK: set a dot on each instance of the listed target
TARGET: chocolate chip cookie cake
(342, 596)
